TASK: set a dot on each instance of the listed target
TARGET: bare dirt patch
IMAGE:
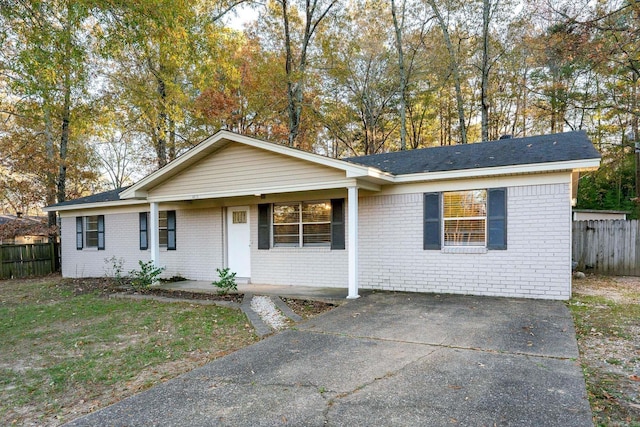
(307, 308)
(623, 290)
(606, 312)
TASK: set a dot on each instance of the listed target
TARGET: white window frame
(163, 230)
(87, 231)
(300, 223)
(485, 218)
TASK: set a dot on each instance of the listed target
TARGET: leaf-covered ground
(606, 312)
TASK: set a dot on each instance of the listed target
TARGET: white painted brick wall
(297, 266)
(199, 245)
(121, 238)
(536, 263)
(198, 242)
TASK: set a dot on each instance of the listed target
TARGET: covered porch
(247, 179)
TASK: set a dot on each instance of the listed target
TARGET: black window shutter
(337, 224)
(171, 230)
(264, 226)
(100, 232)
(144, 231)
(497, 218)
(432, 228)
(79, 233)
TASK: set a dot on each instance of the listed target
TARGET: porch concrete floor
(297, 292)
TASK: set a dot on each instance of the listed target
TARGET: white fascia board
(137, 194)
(267, 190)
(98, 205)
(370, 172)
(572, 165)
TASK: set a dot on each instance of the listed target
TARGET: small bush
(227, 281)
(116, 265)
(146, 276)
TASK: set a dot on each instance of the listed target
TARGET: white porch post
(353, 241)
(154, 235)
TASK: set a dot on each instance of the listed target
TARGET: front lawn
(606, 312)
(67, 349)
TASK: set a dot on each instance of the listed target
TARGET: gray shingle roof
(105, 196)
(505, 152)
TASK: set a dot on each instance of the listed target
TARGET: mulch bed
(106, 286)
(169, 293)
(308, 308)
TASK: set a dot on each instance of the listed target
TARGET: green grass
(59, 350)
(600, 321)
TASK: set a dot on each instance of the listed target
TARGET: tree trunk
(66, 114)
(161, 129)
(64, 142)
(454, 68)
(292, 87)
(296, 71)
(484, 97)
(402, 75)
(172, 140)
(50, 174)
(635, 128)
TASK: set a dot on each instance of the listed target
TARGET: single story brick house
(491, 218)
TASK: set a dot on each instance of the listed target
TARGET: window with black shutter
(497, 218)
(144, 231)
(337, 224)
(79, 233)
(432, 220)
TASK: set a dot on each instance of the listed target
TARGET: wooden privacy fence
(36, 259)
(607, 247)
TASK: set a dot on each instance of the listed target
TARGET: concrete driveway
(386, 360)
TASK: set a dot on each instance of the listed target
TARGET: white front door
(239, 241)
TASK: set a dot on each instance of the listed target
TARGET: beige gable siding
(239, 167)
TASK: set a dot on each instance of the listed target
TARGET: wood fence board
(18, 261)
(607, 247)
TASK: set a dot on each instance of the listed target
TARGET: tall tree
(44, 59)
(361, 93)
(252, 100)
(484, 97)
(455, 68)
(164, 51)
(402, 74)
(299, 24)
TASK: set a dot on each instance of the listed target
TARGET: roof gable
(220, 140)
(569, 146)
(238, 169)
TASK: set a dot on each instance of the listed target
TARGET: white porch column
(154, 235)
(352, 243)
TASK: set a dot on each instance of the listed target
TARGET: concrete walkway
(385, 360)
